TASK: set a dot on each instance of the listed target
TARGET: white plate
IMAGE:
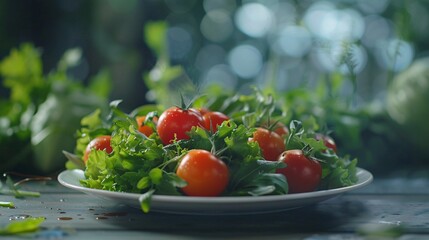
(215, 205)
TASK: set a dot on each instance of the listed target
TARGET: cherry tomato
(205, 174)
(174, 123)
(203, 110)
(328, 141)
(302, 174)
(98, 143)
(212, 120)
(146, 130)
(279, 128)
(271, 144)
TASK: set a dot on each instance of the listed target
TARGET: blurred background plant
(338, 61)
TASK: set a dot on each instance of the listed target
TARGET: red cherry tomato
(203, 110)
(146, 130)
(205, 174)
(271, 144)
(328, 141)
(281, 129)
(302, 174)
(98, 143)
(174, 123)
(278, 128)
(212, 120)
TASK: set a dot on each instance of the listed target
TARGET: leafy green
(22, 73)
(145, 200)
(30, 224)
(380, 231)
(7, 204)
(258, 178)
(155, 35)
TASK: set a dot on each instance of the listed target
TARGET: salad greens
(142, 164)
(42, 111)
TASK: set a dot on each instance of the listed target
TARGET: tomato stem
(307, 150)
(184, 105)
(165, 164)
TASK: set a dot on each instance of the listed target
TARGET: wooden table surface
(398, 204)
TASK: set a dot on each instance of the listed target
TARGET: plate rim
(79, 174)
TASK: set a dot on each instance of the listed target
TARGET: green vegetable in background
(408, 104)
(43, 111)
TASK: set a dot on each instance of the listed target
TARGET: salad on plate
(242, 145)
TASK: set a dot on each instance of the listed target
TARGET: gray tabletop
(392, 206)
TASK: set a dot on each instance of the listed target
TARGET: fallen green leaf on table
(9, 188)
(22, 226)
(385, 231)
(7, 204)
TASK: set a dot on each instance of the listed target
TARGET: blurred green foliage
(41, 116)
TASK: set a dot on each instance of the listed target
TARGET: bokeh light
(285, 13)
(225, 5)
(245, 60)
(371, 6)
(377, 29)
(209, 56)
(217, 25)
(254, 19)
(222, 76)
(330, 23)
(395, 54)
(180, 42)
(304, 39)
(293, 41)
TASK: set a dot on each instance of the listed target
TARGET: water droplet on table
(18, 217)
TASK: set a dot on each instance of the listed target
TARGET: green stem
(20, 193)
(177, 158)
(272, 73)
